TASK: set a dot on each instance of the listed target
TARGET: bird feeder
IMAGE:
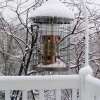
(49, 17)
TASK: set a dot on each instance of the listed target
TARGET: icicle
(85, 14)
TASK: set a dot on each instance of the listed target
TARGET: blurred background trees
(18, 53)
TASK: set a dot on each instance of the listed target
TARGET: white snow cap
(53, 8)
(87, 70)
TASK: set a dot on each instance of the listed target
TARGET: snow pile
(53, 8)
(58, 64)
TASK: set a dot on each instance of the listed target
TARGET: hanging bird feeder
(50, 17)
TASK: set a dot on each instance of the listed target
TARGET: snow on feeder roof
(52, 10)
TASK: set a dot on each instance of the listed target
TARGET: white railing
(93, 88)
(26, 83)
(88, 86)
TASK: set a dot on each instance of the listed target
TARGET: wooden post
(58, 94)
(7, 95)
(24, 95)
(74, 94)
(41, 94)
(85, 93)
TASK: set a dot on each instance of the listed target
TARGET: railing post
(74, 94)
(24, 95)
(7, 95)
(97, 97)
(58, 94)
(41, 94)
(84, 72)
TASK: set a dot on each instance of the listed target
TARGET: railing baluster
(97, 98)
(58, 94)
(89, 94)
(7, 95)
(24, 95)
(74, 94)
(41, 94)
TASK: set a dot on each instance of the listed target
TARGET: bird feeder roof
(53, 9)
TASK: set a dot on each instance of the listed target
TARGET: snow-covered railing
(89, 85)
(92, 88)
(26, 83)
(39, 82)
(84, 86)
